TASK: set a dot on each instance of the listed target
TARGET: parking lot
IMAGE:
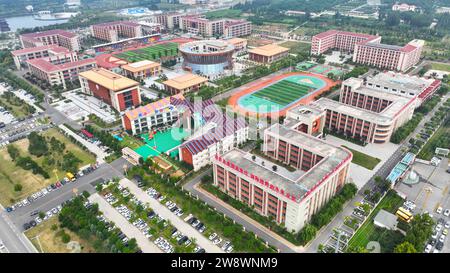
(176, 219)
(77, 106)
(129, 230)
(20, 129)
(431, 195)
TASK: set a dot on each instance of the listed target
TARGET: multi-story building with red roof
(368, 49)
(112, 31)
(21, 56)
(60, 70)
(59, 37)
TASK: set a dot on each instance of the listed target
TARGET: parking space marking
(175, 220)
(126, 227)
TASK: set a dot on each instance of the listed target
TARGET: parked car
(439, 210)
(447, 212)
(428, 248)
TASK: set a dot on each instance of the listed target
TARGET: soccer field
(283, 92)
(149, 53)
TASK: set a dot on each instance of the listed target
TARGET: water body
(29, 22)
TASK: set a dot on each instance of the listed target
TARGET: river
(29, 22)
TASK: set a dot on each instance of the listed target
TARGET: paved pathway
(126, 227)
(14, 240)
(90, 146)
(164, 212)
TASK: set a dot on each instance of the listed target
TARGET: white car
(447, 212)
(447, 224)
(442, 238)
(438, 227)
(439, 210)
(428, 248)
(212, 236)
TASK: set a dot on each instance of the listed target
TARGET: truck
(70, 176)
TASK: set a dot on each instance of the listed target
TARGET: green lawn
(149, 53)
(296, 46)
(440, 139)
(440, 66)
(225, 13)
(283, 92)
(363, 160)
(369, 232)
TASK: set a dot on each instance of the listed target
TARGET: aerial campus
(225, 127)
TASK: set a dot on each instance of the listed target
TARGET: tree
(38, 145)
(421, 229)
(405, 247)
(357, 249)
(13, 152)
(307, 233)
(17, 187)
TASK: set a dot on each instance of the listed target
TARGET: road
(164, 212)
(256, 228)
(14, 240)
(85, 183)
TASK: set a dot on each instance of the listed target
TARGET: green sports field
(283, 92)
(149, 53)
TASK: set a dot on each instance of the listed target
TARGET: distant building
(267, 54)
(112, 31)
(207, 57)
(399, 58)
(240, 44)
(59, 71)
(404, 7)
(229, 28)
(141, 70)
(368, 49)
(366, 113)
(185, 84)
(51, 37)
(118, 91)
(374, 2)
(21, 56)
(169, 20)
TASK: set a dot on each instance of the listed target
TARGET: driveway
(164, 212)
(90, 146)
(126, 227)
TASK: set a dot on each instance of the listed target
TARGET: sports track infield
(280, 93)
(149, 53)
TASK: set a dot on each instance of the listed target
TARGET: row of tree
(83, 221)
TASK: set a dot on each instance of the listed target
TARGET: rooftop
(297, 183)
(151, 108)
(61, 32)
(44, 65)
(54, 48)
(141, 65)
(125, 23)
(401, 81)
(185, 81)
(336, 32)
(385, 219)
(269, 50)
(108, 79)
(206, 47)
